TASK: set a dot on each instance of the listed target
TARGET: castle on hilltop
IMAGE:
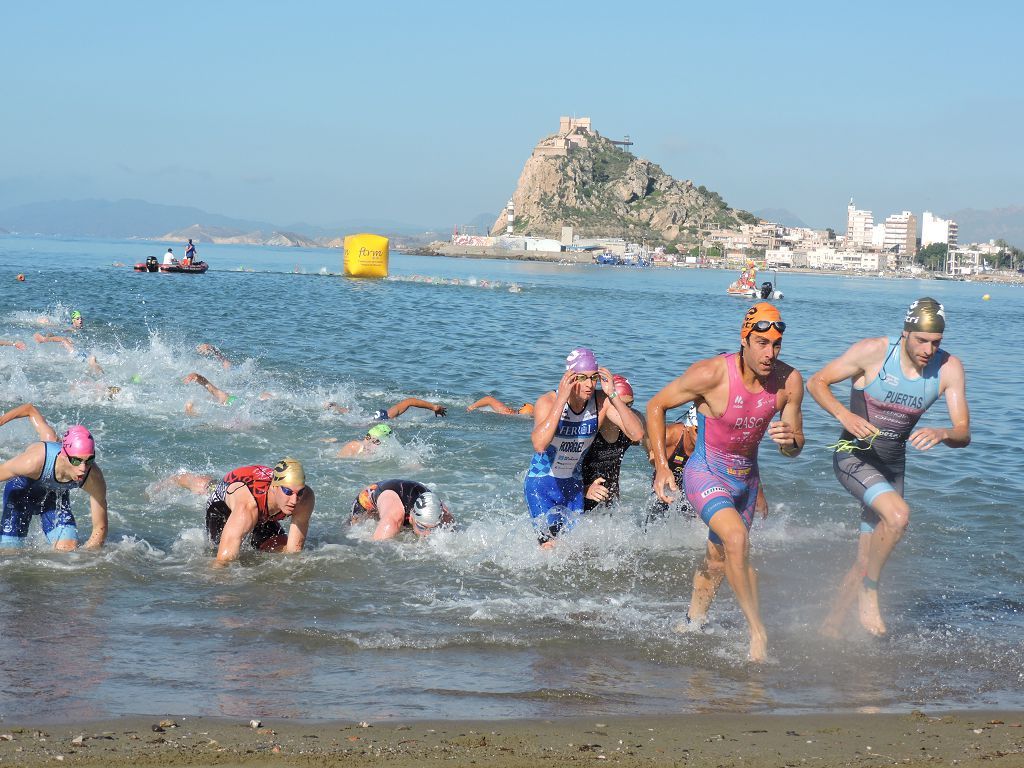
(572, 132)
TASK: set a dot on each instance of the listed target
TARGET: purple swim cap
(78, 442)
(581, 359)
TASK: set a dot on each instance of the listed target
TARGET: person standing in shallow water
(893, 382)
(736, 397)
(603, 462)
(565, 423)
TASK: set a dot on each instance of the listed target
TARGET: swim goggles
(762, 326)
(581, 377)
(292, 492)
(77, 461)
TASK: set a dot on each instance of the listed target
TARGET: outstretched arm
(211, 351)
(198, 378)
(15, 344)
(411, 402)
(29, 411)
(494, 404)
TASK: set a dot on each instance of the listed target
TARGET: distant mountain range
(125, 219)
(995, 224)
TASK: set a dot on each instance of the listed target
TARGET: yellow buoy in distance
(366, 255)
(986, 297)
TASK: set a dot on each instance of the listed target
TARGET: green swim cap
(136, 378)
(75, 314)
(379, 432)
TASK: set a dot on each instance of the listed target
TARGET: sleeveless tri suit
(46, 497)
(722, 472)
(893, 404)
(257, 478)
(554, 481)
(408, 491)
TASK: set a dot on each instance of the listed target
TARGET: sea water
(477, 621)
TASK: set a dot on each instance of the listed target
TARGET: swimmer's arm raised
(39, 423)
(624, 417)
(96, 486)
(548, 410)
(299, 528)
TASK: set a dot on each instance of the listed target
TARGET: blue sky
(425, 112)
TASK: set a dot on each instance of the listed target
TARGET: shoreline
(918, 738)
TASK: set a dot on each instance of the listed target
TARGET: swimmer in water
(893, 382)
(603, 462)
(499, 407)
(248, 504)
(211, 351)
(219, 394)
(737, 395)
(565, 423)
(15, 344)
(395, 410)
(374, 436)
(69, 345)
(39, 480)
(398, 504)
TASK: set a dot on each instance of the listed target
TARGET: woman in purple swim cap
(565, 423)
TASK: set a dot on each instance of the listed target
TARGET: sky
(424, 113)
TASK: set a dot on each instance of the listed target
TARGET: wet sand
(696, 741)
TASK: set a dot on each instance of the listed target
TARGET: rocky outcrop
(601, 190)
(223, 235)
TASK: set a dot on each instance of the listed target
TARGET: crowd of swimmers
(705, 464)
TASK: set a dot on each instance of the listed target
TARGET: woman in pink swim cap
(39, 481)
(566, 422)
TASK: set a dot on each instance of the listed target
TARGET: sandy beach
(915, 739)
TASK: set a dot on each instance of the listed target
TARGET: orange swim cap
(527, 409)
(765, 319)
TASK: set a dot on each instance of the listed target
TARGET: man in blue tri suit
(38, 482)
(565, 423)
(894, 381)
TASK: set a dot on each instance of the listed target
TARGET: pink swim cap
(77, 441)
(622, 386)
(580, 360)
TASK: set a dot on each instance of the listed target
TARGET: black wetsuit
(677, 463)
(604, 459)
(408, 491)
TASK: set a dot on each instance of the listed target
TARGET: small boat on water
(195, 268)
(151, 264)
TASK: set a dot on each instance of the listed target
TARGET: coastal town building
(936, 230)
(832, 258)
(859, 225)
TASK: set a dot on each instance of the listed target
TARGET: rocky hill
(579, 178)
(225, 235)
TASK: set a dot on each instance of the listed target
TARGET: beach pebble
(80, 739)
(168, 724)
(255, 723)
(6, 737)
(365, 724)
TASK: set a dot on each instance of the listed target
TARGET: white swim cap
(428, 510)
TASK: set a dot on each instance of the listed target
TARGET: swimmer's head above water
(428, 512)
(288, 473)
(378, 433)
(581, 360)
(925, 315)
(765, 319)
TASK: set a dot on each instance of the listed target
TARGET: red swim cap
(622, 386)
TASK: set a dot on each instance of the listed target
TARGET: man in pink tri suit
(737, 395)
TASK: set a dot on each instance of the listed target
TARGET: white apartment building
(830, 258)
(936, 230)
(901, 234)
(859, 225)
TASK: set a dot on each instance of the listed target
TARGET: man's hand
(857, 426)
(663, 477)
(565, 385)
(927, 438)
(440, 410)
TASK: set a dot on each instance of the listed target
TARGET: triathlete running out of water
(397, 409)
(893, 382)
(39, 480)
(374, 436)
(603, 461)
(489, 401)
(398, 504)
(565, 423)
(249, 503)
(736, 395)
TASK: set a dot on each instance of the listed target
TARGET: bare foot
(758, 646)
(690, 624)
(831, 629)
(870, 616)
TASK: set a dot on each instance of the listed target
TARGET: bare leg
(832, 626)
(729, 527)
(895, 515)
(706, 581)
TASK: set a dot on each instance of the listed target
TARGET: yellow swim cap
(289, 473)
(925, 316)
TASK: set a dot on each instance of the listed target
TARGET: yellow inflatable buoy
(986, 297)
(366, 256)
